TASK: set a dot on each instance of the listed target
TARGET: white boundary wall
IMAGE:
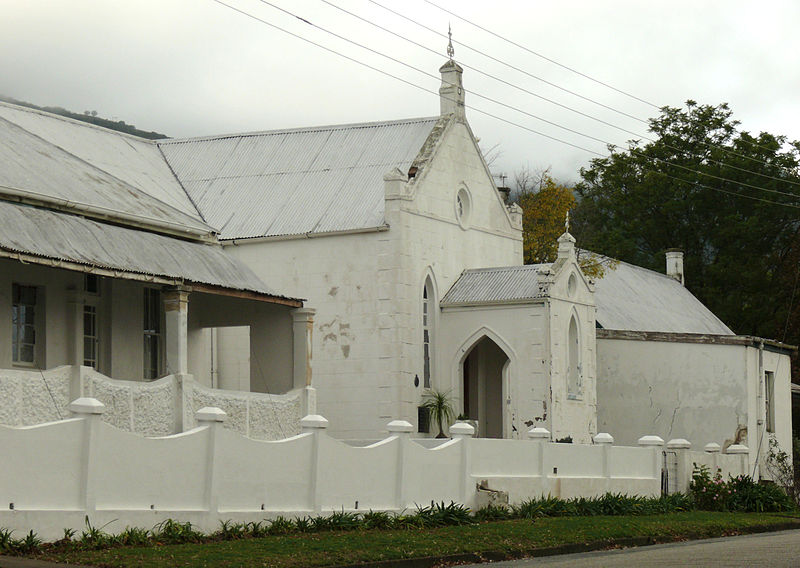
(55, 474)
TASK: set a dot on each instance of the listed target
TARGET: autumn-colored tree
(544, 205)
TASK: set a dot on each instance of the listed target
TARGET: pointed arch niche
(429, 306)
(574, 358)
(484, 370)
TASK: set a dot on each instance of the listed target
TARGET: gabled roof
(500, 285)
(80, 165)
(293, 182)
(62, 237)
(637, 299)
(628, 297)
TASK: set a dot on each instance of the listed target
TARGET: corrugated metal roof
(288, 182)
(35, 165)
(498, 285)
(627, 297)
(135, 161)
(61, 236)
(636, 299)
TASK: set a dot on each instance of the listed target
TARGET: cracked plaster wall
(674, 390)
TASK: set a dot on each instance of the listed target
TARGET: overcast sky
(195, 67)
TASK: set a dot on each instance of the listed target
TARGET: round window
(463, 207)
(572, 285)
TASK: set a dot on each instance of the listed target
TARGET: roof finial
(450, 50)
(566, 223)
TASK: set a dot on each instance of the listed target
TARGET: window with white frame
(152, 333)
(23, 322)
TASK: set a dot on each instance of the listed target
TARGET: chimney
(505, 193)
(451, 93)
(675, 264)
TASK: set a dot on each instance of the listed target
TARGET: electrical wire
(610, 145)
(407, 82)
(521, 111)
(554, 62)
(551, 101)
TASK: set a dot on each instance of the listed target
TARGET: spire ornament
(566, 223)
(450, 51)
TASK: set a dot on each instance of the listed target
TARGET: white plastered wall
(367, 287)
(433, 243)
(521, 332)
(574, 415)
(703, 392)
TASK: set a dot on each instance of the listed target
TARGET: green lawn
(511, 538)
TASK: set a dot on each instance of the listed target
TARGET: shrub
(738, 494)
(170, 531)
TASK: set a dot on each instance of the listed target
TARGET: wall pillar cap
(87, 405)
(539, 433)
(462, 429)
(603, 438)
(679, 444)
(210, 414)
(737, 449)
(303, 313)
(712, 448)
(314, 422)
(651, 441)
(400, 426)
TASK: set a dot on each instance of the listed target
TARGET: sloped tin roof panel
(38, 167)
(136, 161)
(637, 299)
(61, 236)
(290, 182)
(505, 284)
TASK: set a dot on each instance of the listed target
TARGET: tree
(545, 204)
(544, 207)
(440, 408)
(691, 189)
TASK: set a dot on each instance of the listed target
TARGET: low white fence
(151, 408)
(56, 475)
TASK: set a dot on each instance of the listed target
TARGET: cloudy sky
(196, 67)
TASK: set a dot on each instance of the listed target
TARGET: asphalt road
(772, 550)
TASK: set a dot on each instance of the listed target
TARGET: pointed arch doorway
(485, 384)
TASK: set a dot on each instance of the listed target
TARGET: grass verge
(503, 539)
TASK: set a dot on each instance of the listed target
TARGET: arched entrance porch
(485, 387)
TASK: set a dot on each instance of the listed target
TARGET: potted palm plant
(440, 408)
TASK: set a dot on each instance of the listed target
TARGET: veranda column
(302, 328)
(75, 319)
(176, 311)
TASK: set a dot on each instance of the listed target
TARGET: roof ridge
(509, 267)
(76, 122)
(353, 125)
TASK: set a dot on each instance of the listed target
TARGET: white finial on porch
(566, 223)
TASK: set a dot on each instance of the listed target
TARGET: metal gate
(669, 472)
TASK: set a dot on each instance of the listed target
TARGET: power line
(519, 88)
(407, 82)
(517, 109)
(354, 60)
(554, 62)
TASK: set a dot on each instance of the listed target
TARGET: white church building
(410, 263)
